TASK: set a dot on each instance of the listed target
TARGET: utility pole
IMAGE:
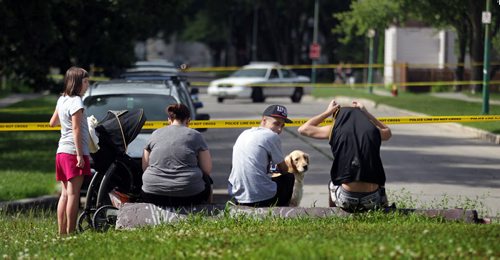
(370, 34)
(315, 40)
(486, 18)
(254, 34)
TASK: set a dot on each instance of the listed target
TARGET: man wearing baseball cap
(255, 152)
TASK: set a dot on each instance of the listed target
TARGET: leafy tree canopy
(37, 35)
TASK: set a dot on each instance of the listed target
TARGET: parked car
(154, 66)
(158, 75)
(244, 83)
(152, 96)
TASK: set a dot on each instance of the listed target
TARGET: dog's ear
(307, 157)
(289, 163)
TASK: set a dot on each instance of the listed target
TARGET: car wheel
(220, 99)
(297, 95)
(258, 95)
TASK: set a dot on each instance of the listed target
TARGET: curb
(48, 202)
(481, 134)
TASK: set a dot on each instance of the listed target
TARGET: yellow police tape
(316, 85)
(344, 66)
(237, 123)
(361, 85)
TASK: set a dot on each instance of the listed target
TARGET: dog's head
(297, 161)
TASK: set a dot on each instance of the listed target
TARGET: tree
(284, 29)
(364, 15)
(37, 35)
(368, 14)
(209, 22)
(464, 16)
(27, 34)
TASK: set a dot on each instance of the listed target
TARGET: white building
(419, 46)
(193, 53)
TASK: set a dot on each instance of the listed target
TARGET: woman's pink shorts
(66, 166)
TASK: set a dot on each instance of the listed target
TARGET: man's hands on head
(359, 105)
(332, 107)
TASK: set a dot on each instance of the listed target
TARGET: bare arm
(145, 159)
(76, 120)
(312, 129)
(205, 162)
(54, 120)
(385, 131)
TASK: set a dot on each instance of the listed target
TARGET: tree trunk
(476, 46)
(462, 47)
(273, 34)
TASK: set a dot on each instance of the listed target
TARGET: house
(419, 54)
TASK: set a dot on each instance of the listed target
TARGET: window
(274, 74)
(250, 73)
(153, 105)
(288, 73)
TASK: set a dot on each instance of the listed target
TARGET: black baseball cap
(277, 111)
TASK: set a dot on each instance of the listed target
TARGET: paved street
(435, 164)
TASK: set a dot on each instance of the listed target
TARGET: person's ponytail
(178, 112)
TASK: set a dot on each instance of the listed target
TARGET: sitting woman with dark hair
(176, 163)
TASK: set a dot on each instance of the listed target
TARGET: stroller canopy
(119, 128)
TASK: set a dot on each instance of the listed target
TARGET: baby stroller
(115, 171)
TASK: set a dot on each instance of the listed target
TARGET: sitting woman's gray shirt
(173, 162)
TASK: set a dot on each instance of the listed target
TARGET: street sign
(486, 17)
(314, 51)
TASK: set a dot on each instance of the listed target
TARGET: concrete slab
(134, 215)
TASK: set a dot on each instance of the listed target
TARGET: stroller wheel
(84, 222)
(104, 218)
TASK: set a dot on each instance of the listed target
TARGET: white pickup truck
(244, 83)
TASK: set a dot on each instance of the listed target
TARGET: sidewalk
(447, 95)
(461, 96)
(14, 98)
(481, 134)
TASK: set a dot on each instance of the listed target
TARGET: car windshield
(288, 73)
(250, 73)
(153, 105)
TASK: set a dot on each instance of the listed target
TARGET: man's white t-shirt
(253, 152)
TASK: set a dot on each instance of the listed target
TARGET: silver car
(152, 96)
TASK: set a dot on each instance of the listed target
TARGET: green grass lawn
(27, 168)
(371, 235)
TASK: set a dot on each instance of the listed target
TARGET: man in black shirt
(357, 174)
